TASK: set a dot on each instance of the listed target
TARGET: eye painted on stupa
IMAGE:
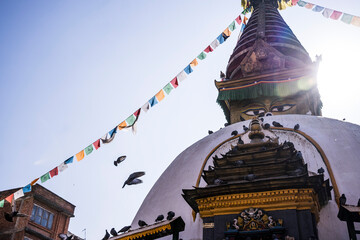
(254, 111)
(282, 108)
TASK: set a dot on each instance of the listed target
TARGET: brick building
(49, 215)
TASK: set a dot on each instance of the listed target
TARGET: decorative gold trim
(310, 139)
(147, 232)
(208, 225)
(298, 199)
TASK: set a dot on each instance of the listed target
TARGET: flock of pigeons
(141, 223)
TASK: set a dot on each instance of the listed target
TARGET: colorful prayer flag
(245, 20)
(54, 172)
(221, 38)
(201, 56)
(227, 32)
(9, 198)
(69, 160)
(232, 26)
(168, 88)
(18, 194)
(97, 144)
(153, 101)
(160, 95)
(181, 76)
(346, 18)
(89, 149)
(80, 155)
(2, 203)
(174, 82)
(194, 63)
(301, 3)
(309, 5)
(294, 2)
(137, 112)
(27, 188)
(145, 107)
(238, 20)
(188, 69)
(45, 177)
(34, 181)
(355, 21)
(123, 124)
(327, 12)
(130, 120)
(113, 131)
(208, 49)
(318, 8)
(62, 167)
(335, 15)
(242, 28)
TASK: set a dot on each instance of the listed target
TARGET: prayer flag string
(133, 118)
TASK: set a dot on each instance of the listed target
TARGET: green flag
(202, 56)
(232, 26)
(168, 88)
(2, 203)
(130, 120)
(45, 177)
(89, 149)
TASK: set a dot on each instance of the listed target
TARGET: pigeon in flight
(276, 124)
(65, 237)
(159, 218)
(142, 223)
(107, 235)
(113, 232)
(119, 160)
(133, 178)
(234, 133)
(296, 127)
(170, 215)
(124, 229)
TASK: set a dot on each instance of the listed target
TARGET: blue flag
(188, 69)
(153, 101)
(112, 132)
(318, 8)
(69, 160)
(27, 188)
(221, 38)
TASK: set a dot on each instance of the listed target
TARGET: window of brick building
(42, 217)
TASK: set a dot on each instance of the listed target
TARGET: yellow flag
(194, 63)
(122, 125)
(160, 95)
(227, 32)
(355, 21)
(80, 156)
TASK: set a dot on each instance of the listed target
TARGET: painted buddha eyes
(254, 112)
(281, 108)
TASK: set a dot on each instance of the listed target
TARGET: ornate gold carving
(208, 225)
(152, 231)
(299, 199)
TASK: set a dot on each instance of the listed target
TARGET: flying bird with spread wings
(134, 178)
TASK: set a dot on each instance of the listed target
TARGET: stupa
(278, 169)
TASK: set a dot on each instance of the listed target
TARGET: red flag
(137, 113)
(10, 198)
(174, 82)
(54, 172)
(97, 144)
(238, 20)
(208, 49)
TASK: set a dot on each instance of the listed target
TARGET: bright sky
(70, 71)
